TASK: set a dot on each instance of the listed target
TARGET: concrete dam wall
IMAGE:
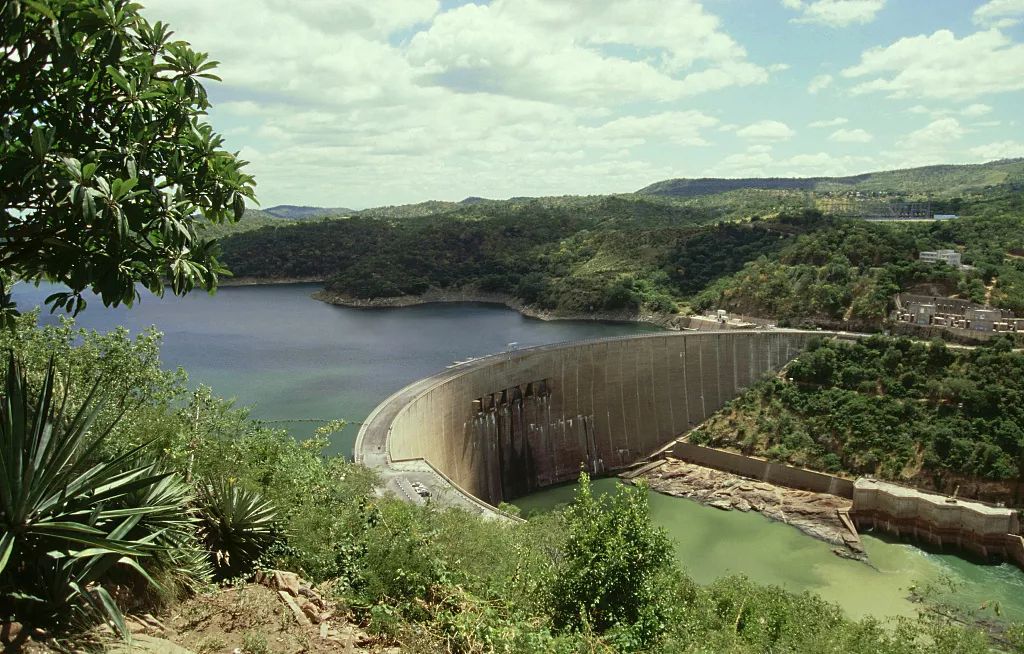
(505, 425)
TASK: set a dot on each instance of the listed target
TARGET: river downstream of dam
(298, 361)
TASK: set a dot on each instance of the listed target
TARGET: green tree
(108, 175)
(613, 559)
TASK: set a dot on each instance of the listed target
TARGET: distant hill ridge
(941, 179)
(297, 212)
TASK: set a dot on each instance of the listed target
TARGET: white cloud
(825, 164)
(834, 122)
(937, 132)
(851, 136)
(999, 13)
(563, 51)
(975, 110)
(310, 54)
(357, 103)
(680, 127)
(360, 104)
(970, 111)
(942, 66)
(999, 150)
(766, 130)
(937, 142)
(758, 161)
(818, 83)
(752, 163)
(464, 144)
(835, 13)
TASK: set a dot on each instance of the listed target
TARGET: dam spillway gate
(526, 445)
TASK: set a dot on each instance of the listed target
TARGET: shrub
(238, 526)
(72, 525)
(613, 558)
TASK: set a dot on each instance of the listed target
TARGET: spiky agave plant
(238, 525)
(180, 557)
(66, 528)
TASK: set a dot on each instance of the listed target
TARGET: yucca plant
(238, 526)
(173, 529)
(67, 527)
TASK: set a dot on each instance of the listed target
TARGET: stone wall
(985, 530)
(756, 468)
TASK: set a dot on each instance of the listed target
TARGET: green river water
(711, 543)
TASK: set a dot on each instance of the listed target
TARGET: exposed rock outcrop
(816, 514)
(436, 295)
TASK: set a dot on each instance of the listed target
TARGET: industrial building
(927, 310)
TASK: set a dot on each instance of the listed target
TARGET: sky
(360, 103)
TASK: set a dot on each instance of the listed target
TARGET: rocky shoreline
(268, 281)
(815, 514)
(436, 295)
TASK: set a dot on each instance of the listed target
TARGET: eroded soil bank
(816, 514)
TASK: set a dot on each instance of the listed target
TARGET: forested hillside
(293, 212)
(573, 254)
(760, 253)
(942, 181)
(892, 408)
(848, 270)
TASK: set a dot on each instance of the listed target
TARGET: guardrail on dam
(505, 425)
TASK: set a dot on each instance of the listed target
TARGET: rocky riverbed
(815, 514)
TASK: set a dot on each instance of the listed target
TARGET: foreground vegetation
(892, 408)
(596, 577)
(751, 251)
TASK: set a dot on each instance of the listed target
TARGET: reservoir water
(295, 359)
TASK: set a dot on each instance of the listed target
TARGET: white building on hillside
(948, 257)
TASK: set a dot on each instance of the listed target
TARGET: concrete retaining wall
(755, 468)
(506, 425)
(985, 530)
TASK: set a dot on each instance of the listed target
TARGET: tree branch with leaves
(108, 172)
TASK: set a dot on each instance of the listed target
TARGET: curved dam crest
(506, 425)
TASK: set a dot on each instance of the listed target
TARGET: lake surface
(296, 359)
